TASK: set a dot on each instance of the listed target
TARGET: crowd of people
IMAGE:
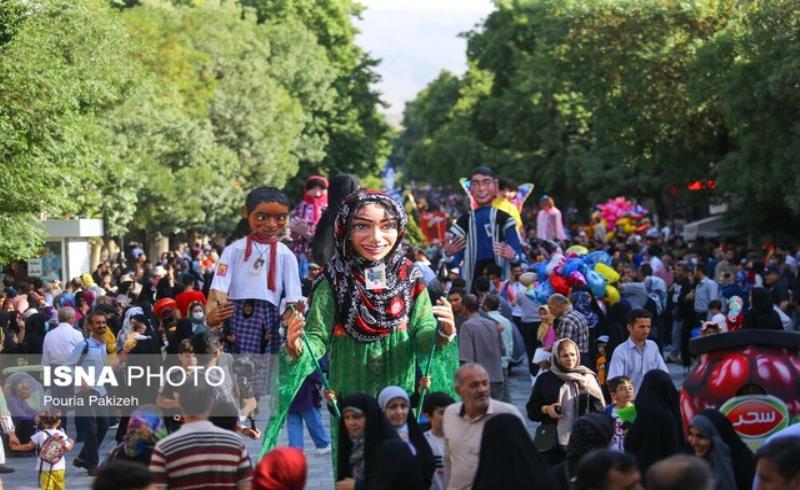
(410, 347)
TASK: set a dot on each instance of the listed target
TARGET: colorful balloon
(577, 250)
(555, 264)
(571, 266)
(612, 294)
(542, 292)
(576, 279)
(609, 274)
(527, 279)
(596, 283)
(560, 284)
(597, 256)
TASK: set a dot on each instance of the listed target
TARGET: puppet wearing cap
(489, 234)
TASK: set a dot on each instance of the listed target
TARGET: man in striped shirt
(200, 455)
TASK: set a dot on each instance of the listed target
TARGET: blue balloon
(596, 283)
(542, 292)
(540, 268)
(597, 256)
(571, 266)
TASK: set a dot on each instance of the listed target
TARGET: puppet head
(266, 210)
(483, 185)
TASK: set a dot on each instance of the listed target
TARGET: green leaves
(159, 115)
(591, 99)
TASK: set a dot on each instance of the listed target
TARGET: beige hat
(159, 271)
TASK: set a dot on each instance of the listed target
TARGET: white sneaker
(322, 450)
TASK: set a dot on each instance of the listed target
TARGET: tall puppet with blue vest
(485, 235)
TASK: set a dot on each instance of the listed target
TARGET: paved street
(320, 473)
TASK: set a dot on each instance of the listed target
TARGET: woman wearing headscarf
(284, 468)
(508, 458)
(705, 441)
(582, 300)
(371, 310)
(395, 404)
(395, 469)
(561, 395)
(145, 428)
(323, 246)
(761, 316)
(657, 432)
(744, 467)
(592, 431)
(28, 334)
(363, 428)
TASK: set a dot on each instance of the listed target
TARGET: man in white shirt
(464, 422)
(637, 355)
(59, 343)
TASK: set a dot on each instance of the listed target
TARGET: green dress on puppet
(358, 367)
(361, 362)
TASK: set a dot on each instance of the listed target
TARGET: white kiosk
(67, 251)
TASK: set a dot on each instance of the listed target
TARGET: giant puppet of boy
(485, 235)
(252, 275)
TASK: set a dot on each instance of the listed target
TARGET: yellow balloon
(612, 294)
(578, 250)
(610, 275)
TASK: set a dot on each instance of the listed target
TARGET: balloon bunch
(620, 212)
(575, 267)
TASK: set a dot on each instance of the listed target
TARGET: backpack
(52, 450)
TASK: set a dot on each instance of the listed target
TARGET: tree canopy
(159, 115)
(592, 99)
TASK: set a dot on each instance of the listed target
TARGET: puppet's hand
(219, 314)
(294, 321)
(444, 313)
(504, 250)
(454, 245)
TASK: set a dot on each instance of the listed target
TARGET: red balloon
(560, 284)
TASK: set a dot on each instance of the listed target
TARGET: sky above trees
(415, 40)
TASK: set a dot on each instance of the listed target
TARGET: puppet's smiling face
(268, 219)
(483, 189)
(374, 232)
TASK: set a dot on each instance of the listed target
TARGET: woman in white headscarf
(559, 397)
(396, 405)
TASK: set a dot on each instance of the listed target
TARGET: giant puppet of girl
(371, 310)
(251, 276)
